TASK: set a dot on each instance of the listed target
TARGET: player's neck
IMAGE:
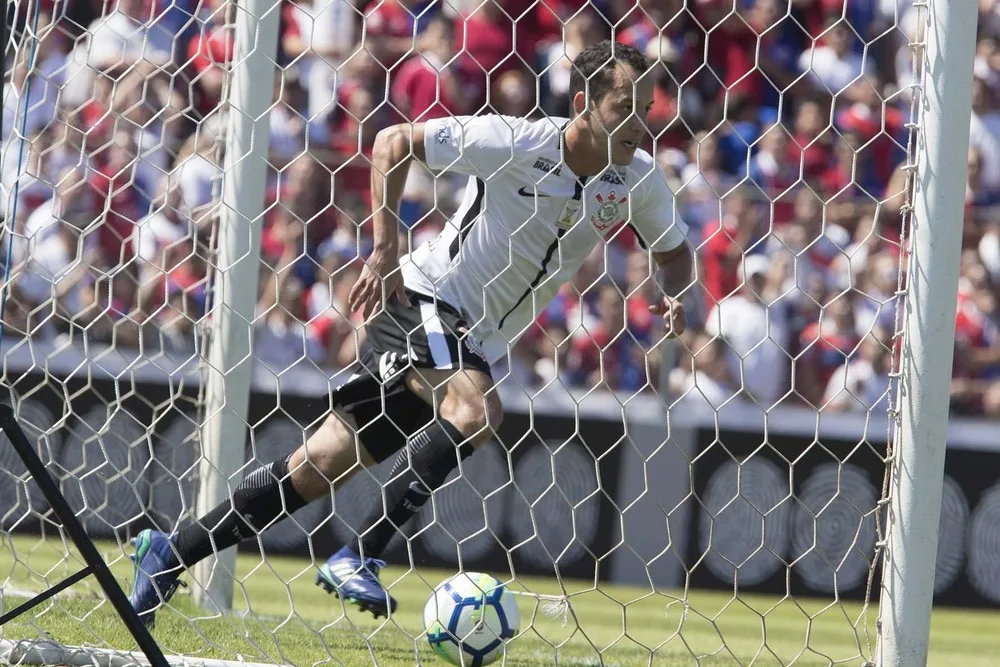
(579, 153)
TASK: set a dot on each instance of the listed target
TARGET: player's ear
(579, 103)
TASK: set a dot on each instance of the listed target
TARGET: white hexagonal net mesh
(632, 473)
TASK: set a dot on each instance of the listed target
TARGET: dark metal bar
(80, 538)
(46, 594)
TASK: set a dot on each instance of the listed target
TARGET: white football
(469, 618)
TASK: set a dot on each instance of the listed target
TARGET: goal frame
(919, 412)
(920, 408)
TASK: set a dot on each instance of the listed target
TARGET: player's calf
(419, 468)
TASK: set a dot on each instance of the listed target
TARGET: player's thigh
(466, 397)
(332, 454)
(427, 345)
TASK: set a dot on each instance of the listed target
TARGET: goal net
(716, 498)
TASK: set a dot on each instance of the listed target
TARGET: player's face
(619, 119)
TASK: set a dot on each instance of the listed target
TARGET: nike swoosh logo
(526, 193)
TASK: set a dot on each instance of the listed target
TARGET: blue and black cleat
(356, 581)
(157, 574)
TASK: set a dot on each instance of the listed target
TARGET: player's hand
(380, 271)
(672, 311)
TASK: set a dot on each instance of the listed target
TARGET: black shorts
(425, 334)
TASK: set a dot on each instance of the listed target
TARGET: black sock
(263, 496)
(418, 470)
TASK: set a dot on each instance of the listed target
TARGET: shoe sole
(376, 610)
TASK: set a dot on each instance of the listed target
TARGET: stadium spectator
(726, 241)
(319, 38)
(773, 173)
(703, 181)
(71, 199)
(553, 364)
(280, 337)
(827, 343)
(122, 206)
(703, 372)
(392, 26)
(755, 329)
(878, 133)
(427, 85)
(877, 302)
(640, 294)
(582, 29)
(811, 139)
(835, 65)
(54, 258)
(165, 225)
(198, 171)
(132, 109)
(44, 73)
(744, 54)
(605, 352)
(514, 95)
(180, 289)
(287, 124)
(837, 183)
(486, 40)
(210, 52)
(129, 34)
(862, 384)
(984, 133)
(347, 336)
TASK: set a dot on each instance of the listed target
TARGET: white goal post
(230, 365)
(587, 489)
(921, 420)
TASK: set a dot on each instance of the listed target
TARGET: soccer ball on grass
(469, 618)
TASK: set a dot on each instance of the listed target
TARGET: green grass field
(283, 618)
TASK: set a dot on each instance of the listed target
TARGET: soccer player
(541, 196)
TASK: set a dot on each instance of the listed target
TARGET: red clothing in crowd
(416, 93)
(353, 177)
(972, 326)
(122, 213)
(720, 275)
(213, 48)
(828, 351)
(813, 153)
(488, 51)
(97, 124)
(388, 18)
(880, 148)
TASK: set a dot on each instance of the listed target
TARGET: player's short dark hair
(596, 64)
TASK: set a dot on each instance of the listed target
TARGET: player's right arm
(391, 154)
(477, 146)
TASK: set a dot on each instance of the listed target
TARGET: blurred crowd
(781, 126)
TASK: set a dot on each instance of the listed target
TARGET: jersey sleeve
(477, 146)
(655, 219)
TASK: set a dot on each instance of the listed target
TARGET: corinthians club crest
(609, 211)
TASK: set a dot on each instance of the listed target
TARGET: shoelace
(374, 565)
(167, 592)
(172, 588)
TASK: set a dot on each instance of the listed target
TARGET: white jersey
(527, 222)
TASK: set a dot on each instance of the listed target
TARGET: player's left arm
(675, 269)
(661, 231)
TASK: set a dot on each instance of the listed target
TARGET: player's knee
(330, 456)
(494, 412)
(476, 418)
